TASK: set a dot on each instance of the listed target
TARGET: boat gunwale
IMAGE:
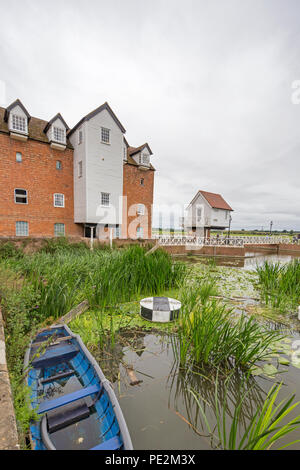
(103, 380)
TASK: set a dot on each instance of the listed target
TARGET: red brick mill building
(60, 181)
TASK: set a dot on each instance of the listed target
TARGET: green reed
(280, 284)
(265, 428)
(209, 335)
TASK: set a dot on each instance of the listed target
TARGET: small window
(21, 229)
(105, 135)
(18, 157)
(199, 215)
(80, 136)
(19, 123)
(141, 209)
(59, 230)
(58, 165)
(80, 169)
(59, 134)
(140, 232)
(59, 200)
(21, 196)
(142, 181)
(105, 199)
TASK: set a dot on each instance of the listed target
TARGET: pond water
(249, 262)
(161, 412)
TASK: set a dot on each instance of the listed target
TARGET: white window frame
(199, 214)
(58, 164)
(20, 234)
(144, 159)
(59, 131)
(24, 196)
(19, 123)
(140, 209)
(140, 232)
(80, 136)
(103, 196)
(56, 198)
(80, 169)
(60, 234)
(19, 154)
(105, 135)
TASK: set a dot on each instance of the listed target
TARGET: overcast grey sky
(207, 83)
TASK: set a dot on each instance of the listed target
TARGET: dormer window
(144, 159)
(56, 130)
(19, 123)
(59, 135)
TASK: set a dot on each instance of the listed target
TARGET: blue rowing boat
(77, 406)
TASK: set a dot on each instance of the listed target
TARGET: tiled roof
(35, 128)
(96, 111)
(134, 150)
(215, 200)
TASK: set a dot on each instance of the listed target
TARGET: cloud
(207, 84)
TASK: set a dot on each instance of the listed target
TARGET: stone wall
(8, 426)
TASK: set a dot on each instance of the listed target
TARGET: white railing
(223, 241)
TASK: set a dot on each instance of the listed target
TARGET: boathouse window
(105, 135)
(19, 123)
(105, 199)
(22, 229)
(59, 230)
(21, 196)
(18, 157)
(58, 165)
(199, 214)
(59, 200)
(141, 209)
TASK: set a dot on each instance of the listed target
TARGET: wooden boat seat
(49, 405)
(60, 419)
(53, 378)
(111, 444)
(55, 355)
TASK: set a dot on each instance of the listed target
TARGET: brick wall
(38, 175)
(206, 250)
(137, 193)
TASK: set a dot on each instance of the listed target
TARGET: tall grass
(280, 284)
(208, 335)
(63, 277)
(265, 428)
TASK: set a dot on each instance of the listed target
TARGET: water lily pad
(256, 371)
(284, 361)
(269, 369)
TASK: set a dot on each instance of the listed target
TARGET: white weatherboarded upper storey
(102, 169)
